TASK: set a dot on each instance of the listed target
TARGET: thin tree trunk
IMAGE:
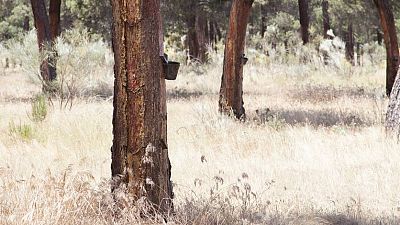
(304, 20)
(359, 55)
(231, 92)
(26, 23)
(42, 25)
(325, 17)
(139, 153)
(201, 24)
(379, 36)
(263, 19)
(390, 37)
(212, 34)
(192, 37)
(350, 44)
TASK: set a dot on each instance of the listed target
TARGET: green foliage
(23, 131)
(93, 15)
(39, 108)
(12, 15)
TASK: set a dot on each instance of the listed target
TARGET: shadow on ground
(317, 118)
(314, 93)
(181, 93)
(333, 220)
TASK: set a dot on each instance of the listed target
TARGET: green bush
(39, 108)
(22, 131)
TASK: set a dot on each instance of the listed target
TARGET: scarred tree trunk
(139, 153)
(304, 20)
(350, 44)
(391, 44)
(231, 92)
(325, 18)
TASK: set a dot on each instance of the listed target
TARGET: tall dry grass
(312, 151)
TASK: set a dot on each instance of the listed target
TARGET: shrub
(39, 108)
(22, 131)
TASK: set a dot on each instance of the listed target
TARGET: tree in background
(304, 20)
(325, 18)
(349, 38)
(140, 160)
(47, 27)
(390, 36)
(231, 92)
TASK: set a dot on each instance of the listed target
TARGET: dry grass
(313, 151)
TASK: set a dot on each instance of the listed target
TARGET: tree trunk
(212, 34)
(42, 26)
(139, 153)
(201, 24)
(379, 37)
(231, 92)
(393, 113)
(304, 20)
(350, 44)
(192, 38)
(359, 54)
(197, 39)
(26, 23)
(390, 37)
(54, 15)
(263, 19)
(325, 17)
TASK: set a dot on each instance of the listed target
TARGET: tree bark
(212, 34)
(26, 23)
(304, 20)
(263, 19)
(393, 113)
(196, 24)
(54, 15)
(231, 92)
(325, 18)
(379, 37)
(391, 44)
(139, 153)
(359, 54)
(350, 44)
(42, 25)
(201, 24)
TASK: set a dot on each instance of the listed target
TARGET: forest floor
(312, 151)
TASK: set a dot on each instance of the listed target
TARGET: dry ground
(312, 151)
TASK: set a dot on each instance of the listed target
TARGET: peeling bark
(140, 153)
(231, 92)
